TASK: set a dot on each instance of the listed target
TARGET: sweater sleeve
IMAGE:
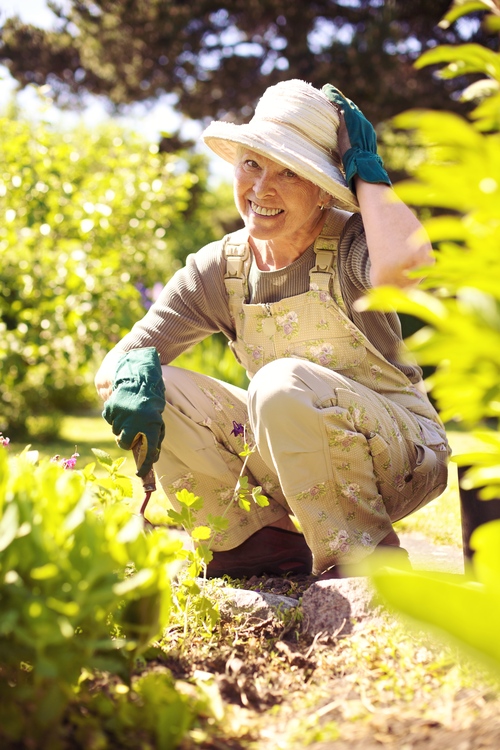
(353, 254)
(191, 306)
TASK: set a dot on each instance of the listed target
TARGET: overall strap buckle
(237, 255)
(323, 271)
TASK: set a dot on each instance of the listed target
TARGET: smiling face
(274, 202)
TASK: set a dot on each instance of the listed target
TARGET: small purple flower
(146, 302)
(148, 296)
(238, 429)
(4, 441)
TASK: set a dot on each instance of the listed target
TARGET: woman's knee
(288, 383)
(269, 389)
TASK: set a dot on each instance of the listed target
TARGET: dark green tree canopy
(217, 56)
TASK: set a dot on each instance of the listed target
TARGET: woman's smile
(263, 211)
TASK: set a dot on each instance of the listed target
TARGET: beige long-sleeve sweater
(194, 302)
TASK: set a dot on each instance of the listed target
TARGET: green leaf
(412, 301)
(244, 504)
(259, 498)
(243, 482)
(134, 582)
(466, 58)
(179, 519)
(49, 570)
(88, 471)
(461, 8)
(217, 523)
(103, 458)
(70, 609)
(189, 499)
(492, 24)
(201, 532)
(468, 612)
(480, 90)
(131, 530)
(485, 540)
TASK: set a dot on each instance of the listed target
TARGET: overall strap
(325, 247)
(237, 255)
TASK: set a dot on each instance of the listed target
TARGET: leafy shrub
(87, 216)
(468, 611)
(82, 588)
(460, 177)
(213, 357)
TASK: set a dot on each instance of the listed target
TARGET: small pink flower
(66, 463)
(4, 441)
(69, 463)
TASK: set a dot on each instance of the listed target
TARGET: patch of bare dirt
(381, 687)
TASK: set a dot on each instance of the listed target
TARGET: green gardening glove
(362, 158)
(136, 405)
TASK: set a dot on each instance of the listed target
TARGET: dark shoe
(269, 550)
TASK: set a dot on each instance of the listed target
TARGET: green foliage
(204, 535)
(460, 177)
(87, 216)
(213, 357)
(71, 599)
(156, 712)
(459, 181)
(470, 612)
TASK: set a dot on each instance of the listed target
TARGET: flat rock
(343, 606)
(338, 606)
(257, 604)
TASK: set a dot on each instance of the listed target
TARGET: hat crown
(297, 104)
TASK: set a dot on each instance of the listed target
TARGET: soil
(381, 687)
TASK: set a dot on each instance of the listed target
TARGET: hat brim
(287, 147)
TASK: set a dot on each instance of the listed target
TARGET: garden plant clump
(83, 593)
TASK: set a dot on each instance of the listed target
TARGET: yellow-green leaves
(75, 574)
(86, 216)
(459, 182)
(468, 611)
(467, 58)
(461, 8)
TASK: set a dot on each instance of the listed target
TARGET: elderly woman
(346, 440)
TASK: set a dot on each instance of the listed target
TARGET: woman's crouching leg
(200, 453)
(326, 437)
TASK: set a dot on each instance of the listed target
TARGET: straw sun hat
(295, 125)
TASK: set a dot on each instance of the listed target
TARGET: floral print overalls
(344, 440)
